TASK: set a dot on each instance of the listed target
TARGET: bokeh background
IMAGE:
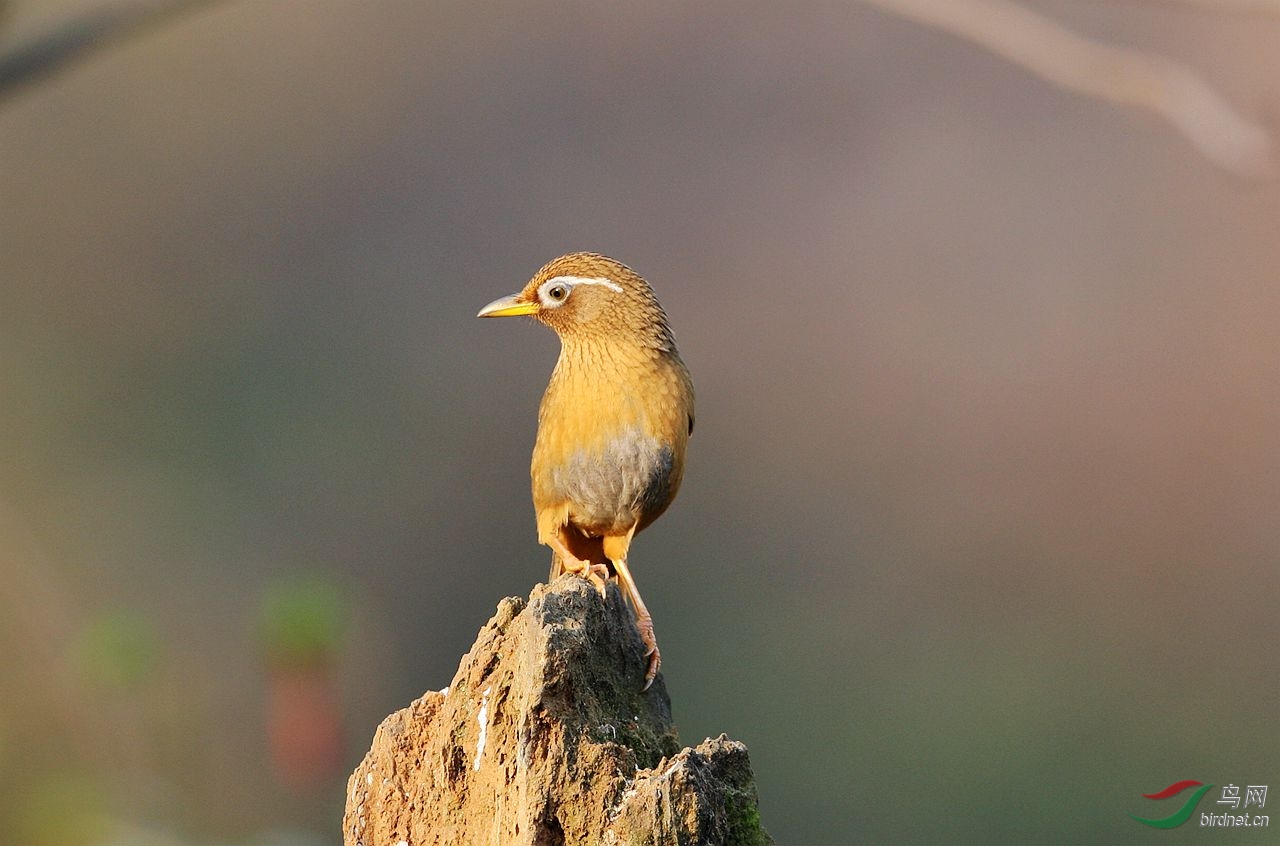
(979, 532)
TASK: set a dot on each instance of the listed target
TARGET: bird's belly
(613, 487)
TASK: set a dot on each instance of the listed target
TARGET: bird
(614, 422)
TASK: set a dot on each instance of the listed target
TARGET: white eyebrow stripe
(579, 280)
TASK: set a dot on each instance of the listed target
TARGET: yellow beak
(509, 307)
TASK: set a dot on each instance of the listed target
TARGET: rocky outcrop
(545, 738)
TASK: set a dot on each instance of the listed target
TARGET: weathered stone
(545, 738)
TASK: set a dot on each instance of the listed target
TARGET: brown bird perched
(613, 424)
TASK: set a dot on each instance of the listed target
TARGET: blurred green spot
(118, 649)
(64, 810)
(303, 621)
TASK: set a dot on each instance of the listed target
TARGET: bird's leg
(643, 620)
(594, 573)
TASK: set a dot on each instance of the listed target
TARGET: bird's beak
(509, 307)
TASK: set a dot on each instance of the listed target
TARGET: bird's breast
(613, 486)
(609, 454)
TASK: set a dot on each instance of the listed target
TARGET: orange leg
(568, 562)
(643, 620)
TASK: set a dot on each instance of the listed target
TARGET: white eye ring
(554, 292)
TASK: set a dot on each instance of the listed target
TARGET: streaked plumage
(614, 421)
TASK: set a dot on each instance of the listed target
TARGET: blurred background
(979, 531)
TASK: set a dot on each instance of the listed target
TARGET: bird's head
(586, 296)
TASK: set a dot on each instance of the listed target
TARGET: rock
(545, 738)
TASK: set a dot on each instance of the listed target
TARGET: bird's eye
(558, 293)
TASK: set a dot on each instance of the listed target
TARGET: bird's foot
(597, 574)
(645, 624)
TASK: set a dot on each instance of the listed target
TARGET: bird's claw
(598, 575)
(645, 624)
(655, 661)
